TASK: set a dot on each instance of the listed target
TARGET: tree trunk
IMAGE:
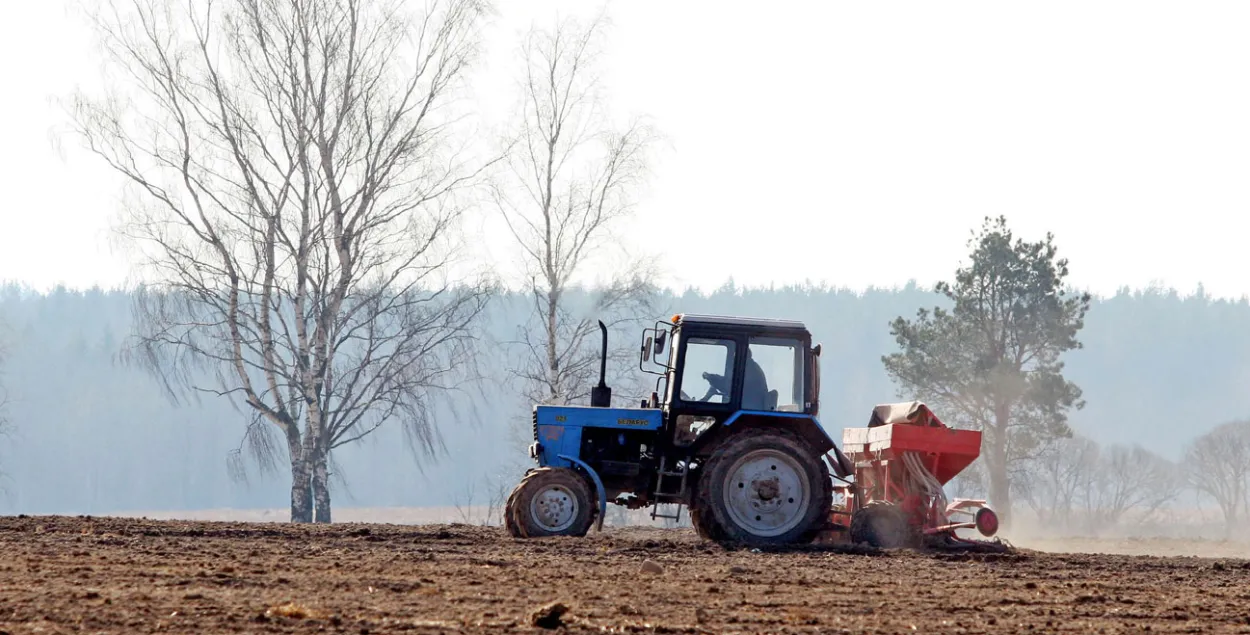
(1232, 512)
(300, 451)
(321, 489)
(553, 360)
(301, 489)
(1000, 485)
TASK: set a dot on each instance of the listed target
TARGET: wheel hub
(554, 508)
(766, 492)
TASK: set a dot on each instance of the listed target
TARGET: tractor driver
(755, 393)
(754, 386)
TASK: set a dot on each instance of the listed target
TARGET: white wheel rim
(766, 493)
(554, 508)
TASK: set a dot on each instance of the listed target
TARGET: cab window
(707, 376)
(774, 375)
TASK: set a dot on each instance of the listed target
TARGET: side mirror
(659, 343)
(646, 350)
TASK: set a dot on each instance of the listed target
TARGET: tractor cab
(720, 369)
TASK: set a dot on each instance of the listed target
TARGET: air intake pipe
(601, 395)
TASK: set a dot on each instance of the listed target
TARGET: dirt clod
(293, 611)
(549, 615)
(652, 567)
(701, 616)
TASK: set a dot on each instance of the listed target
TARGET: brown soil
(135, 576)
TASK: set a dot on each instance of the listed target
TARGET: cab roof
(767, 323)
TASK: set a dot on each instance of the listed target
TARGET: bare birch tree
(1075, 484)
(1058, 478)
(569, 182)
(1129, 479)
(296, 191)
(1218, 464)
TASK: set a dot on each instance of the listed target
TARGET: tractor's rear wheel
(762, 487)
(705, 525)
(883, 525)
(550, 501)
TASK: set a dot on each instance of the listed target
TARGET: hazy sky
(853, 143)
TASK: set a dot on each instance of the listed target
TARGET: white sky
(854, 143)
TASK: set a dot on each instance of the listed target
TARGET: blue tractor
(735, 439)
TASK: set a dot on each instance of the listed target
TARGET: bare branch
(567, 185)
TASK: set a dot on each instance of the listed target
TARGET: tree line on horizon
(1160, 372)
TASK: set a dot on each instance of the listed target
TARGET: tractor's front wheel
(550, 501)
(762, 487)
(509, 521)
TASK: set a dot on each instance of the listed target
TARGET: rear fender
(804, 425)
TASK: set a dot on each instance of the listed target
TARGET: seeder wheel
(883, 525)
(987, 521)
(550, 501)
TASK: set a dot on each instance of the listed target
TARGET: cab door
(706, 383)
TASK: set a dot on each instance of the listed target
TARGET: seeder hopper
(901, 462)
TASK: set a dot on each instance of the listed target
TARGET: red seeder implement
(901, 462)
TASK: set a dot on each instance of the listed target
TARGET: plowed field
(99, 575)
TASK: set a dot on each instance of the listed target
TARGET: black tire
(705, 525)
(701, 518)
(565, 489)
(509, 523)
(883, 525)
(715, 517)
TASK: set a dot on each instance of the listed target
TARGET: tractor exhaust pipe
(601, 395)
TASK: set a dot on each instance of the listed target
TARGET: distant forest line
(91, 436)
